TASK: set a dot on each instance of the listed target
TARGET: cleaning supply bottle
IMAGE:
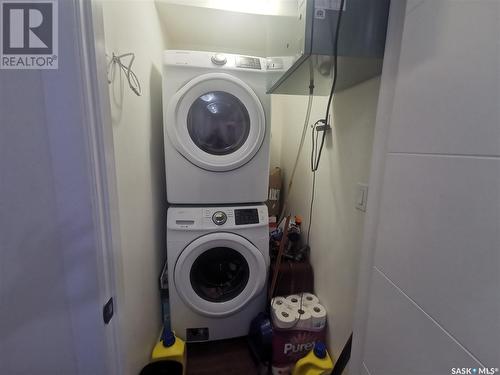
(316, 362)
(168, 349)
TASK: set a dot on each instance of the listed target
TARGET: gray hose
(299, 151)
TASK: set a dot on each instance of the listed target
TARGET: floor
(224, 357)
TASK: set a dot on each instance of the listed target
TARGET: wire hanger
(133, 80)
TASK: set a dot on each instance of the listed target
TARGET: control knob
(219, 59)
(219, 218)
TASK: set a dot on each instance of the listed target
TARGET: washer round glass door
(219, 273)
(216, 121)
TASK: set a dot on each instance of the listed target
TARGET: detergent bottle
(169, 355)
(316, 362)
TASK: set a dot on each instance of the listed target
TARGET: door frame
(99, 139)
(377, 168)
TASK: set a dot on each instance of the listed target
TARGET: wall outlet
(361, 196)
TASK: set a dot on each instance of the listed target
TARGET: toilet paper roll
(293, 300)
(304, 318)
(278, 302)
(309, 299)
(318, 316)
(283, 317)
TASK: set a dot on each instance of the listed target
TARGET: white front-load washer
(218, 260)
(216, 127)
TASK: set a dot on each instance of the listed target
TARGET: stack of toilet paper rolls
(298, 311)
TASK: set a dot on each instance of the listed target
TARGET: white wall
(52, 283)
(205, 29)
(277, 118)
(262, 7)
(434, 280)
(337, 225)
(133, 26)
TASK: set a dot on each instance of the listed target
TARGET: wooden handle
(277, 264)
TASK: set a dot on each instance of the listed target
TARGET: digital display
(248, 62)
(246, 216)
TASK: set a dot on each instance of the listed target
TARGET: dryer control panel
(248, 62)
(215, 60)
(198, 218)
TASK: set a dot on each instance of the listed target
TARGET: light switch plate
(361, 196)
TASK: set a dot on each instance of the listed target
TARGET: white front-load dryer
(216, 128)
(218, 260)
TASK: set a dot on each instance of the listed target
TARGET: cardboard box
(274, 193)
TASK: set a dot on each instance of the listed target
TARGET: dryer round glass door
(216, 121)
(219, 273)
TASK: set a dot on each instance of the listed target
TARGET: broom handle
(278, 258)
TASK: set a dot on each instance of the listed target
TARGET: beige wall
(133, 26)
(337, 225)
(201, 28)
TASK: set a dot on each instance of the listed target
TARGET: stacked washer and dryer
(216, 129)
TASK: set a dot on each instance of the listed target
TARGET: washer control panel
(223, 218)
(219, 218)
(244, 216)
